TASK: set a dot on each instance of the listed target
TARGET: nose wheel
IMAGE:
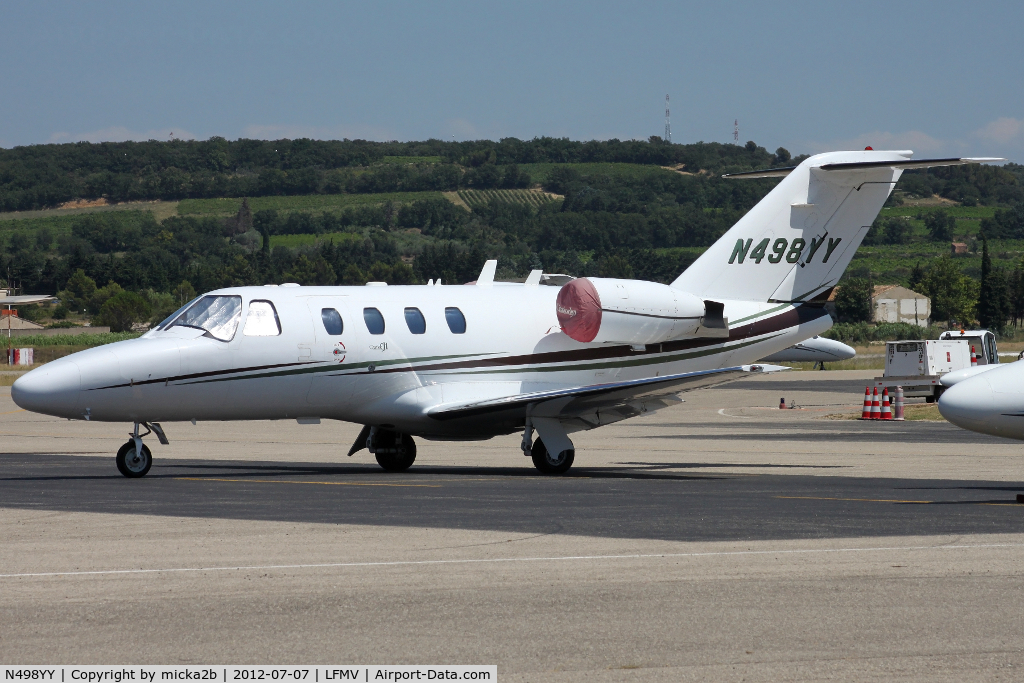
(133, 458)
(131, 463)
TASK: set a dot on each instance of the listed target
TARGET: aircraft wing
(586, 400)
(24, 299)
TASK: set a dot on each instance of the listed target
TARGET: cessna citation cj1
(455, 363)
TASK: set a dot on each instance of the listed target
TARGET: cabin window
(332, 321)
(415, 320)
(374, 320)
(262, 320)
(218, 316)
(456, 321)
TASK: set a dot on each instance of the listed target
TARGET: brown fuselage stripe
(776, 323)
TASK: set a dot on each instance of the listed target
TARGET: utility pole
(668, 123)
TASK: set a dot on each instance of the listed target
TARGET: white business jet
(818, 350)
(988, 399)
(451, 363)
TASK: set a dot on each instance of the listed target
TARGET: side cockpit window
(262, 320)
(218, 316)
(456, 321)
(333, 323)
(374, 320)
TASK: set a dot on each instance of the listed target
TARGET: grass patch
(78, 341)
(959, 212)
(856, 363)
(227, 206)
(159, 208)
(296, 241)
(539, 172)
(411, 160)
(913, 411)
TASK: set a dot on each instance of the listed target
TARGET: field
(411, 160)
(408, 241)
(310, 202)
(160, 209)
(474, 198)
(539, 172)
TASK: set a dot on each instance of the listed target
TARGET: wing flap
(580, 400)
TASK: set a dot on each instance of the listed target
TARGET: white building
(895, 304)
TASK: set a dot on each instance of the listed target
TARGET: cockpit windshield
(217, 315)
(169, 319)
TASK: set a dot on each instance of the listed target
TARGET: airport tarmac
(720, 539)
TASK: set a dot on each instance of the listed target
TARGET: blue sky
(942, 78)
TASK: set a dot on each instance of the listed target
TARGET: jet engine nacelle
(606, 310)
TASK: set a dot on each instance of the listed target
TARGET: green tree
(78, 291)
(183, 293)
(954, 295)
(916, 277)
(897, 231)
(102, 295)
(162, 304)
(995, 304)
(615, 266)
(940, 226)
(853, 300)
(123, 310)
(311, 271)
(1016, 293)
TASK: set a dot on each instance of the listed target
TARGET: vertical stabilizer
(798, 240)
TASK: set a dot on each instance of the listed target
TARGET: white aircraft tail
(797, 241)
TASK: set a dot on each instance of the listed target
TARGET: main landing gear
(134, 458)
(395, 451)
(556, 460)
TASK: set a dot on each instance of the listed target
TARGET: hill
(351, 211)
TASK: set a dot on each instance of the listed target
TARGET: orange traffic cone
(865, 412)
(876, 409)
(886, 410)
(974, 357)
(899, 404)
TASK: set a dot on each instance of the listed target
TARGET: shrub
(123, 310)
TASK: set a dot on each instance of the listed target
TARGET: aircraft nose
(968, 404)
(52, 389)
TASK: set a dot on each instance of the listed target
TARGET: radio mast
(736, 131)
(668, 123)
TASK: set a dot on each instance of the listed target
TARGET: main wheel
(548, 464)
(395, 452)
(131, 465)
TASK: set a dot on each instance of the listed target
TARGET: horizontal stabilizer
(860, 165)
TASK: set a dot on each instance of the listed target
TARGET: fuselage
(990, 401)
(512, 344)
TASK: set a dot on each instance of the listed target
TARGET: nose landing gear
(134, 458)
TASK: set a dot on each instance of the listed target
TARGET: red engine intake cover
(579, 310)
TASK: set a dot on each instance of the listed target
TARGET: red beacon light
(869, 148)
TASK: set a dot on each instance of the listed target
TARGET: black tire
(543, 461)
(395, 452)
(126, 463)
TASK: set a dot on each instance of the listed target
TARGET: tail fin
(797, 241)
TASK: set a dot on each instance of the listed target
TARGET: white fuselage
(990, 401)
(512, 345)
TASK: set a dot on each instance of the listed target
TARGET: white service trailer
(917, 365)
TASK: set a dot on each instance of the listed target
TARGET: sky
(941, 78)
